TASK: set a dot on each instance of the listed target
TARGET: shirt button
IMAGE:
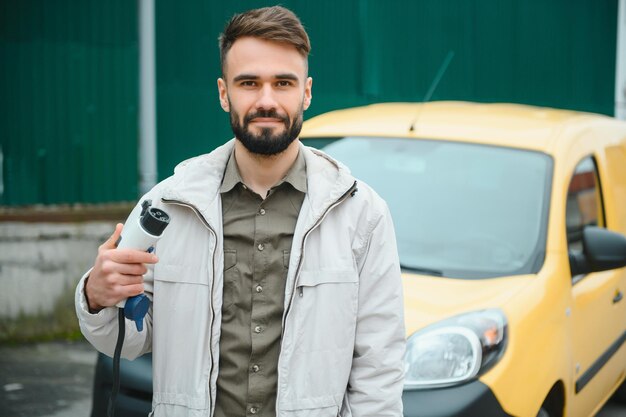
(261, 246)
(262, 212)
(253, 410)
(255, 368)
(258, 329)
(259, 288)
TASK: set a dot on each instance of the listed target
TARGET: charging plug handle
(136, 308)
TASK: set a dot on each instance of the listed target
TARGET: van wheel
(543, 413)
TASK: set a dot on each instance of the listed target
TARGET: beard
(266, 143)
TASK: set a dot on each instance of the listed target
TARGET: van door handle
(618, 297)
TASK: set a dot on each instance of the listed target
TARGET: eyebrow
(286, 76)
(291, 77)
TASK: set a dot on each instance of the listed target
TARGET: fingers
(132, 281)
(133, 290)
(123, 256)
(117, 273)
(122, 292)
(119, 292)
(131, 256)
(112, 240)
(126, 269)
(101, 296)
(121, 280)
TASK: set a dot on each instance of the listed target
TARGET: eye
(247, 83)
(284, 83)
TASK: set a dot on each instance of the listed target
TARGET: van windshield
(460, 210)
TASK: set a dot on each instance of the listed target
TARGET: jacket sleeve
(376, 380)
(101, 329)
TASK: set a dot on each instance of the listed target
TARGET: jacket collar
(327, 180)
(197, 181)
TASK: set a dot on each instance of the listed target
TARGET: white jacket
(343, 329)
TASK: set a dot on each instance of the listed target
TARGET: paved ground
(46, 380)
(54, 380)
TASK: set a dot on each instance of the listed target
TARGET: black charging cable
(116, 362)
(139, 233)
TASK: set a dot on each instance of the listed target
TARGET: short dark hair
(274, 24)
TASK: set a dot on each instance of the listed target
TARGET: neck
(262, 172)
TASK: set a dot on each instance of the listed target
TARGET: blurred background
(101, 99)
(70, 75)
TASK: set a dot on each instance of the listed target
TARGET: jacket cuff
(82, 307)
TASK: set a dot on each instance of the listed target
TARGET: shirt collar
(231, 174)
(296, 176)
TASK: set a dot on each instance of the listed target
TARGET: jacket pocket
(325, 304)
(232, 279)
(286, 258)
(332, 411)
(181, 301)
(309, 403)
(318, 341)
(183, 274)
(230, 259)
(315, 278)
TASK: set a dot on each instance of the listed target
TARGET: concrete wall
(40, 262)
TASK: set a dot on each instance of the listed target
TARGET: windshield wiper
(421, 270)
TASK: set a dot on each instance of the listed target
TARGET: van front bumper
(468, 400)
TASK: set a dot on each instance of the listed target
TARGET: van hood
(428, 299)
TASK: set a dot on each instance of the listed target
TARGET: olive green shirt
(257, 241)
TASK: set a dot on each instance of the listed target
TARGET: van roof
(513, 125)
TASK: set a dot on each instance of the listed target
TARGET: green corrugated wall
(68, 101)
(558, 53)
(68, 77)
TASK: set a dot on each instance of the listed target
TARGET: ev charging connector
(140, 233)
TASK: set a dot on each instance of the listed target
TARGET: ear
(223, 93)
(308, 85)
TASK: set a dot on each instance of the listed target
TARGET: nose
(266, 99)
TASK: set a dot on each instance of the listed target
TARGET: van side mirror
(602, 250)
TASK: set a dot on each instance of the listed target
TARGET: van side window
(584, 202)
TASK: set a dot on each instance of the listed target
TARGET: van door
(599, 310)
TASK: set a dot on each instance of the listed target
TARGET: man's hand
(117, 274)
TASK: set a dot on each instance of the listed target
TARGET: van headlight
(455, 350)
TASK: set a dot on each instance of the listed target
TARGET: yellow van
(510, 222)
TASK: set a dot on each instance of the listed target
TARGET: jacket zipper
(208, 226)
(351, 192)
(341, 199)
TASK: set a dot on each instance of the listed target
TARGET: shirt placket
(258, 323)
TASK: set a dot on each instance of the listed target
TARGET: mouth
(266, 120)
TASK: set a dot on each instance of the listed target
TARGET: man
(277, 288)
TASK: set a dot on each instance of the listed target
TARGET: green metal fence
(68, 101)
(68, 107)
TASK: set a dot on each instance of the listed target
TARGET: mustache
(265, 113)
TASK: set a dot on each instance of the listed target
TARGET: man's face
(266, 90)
